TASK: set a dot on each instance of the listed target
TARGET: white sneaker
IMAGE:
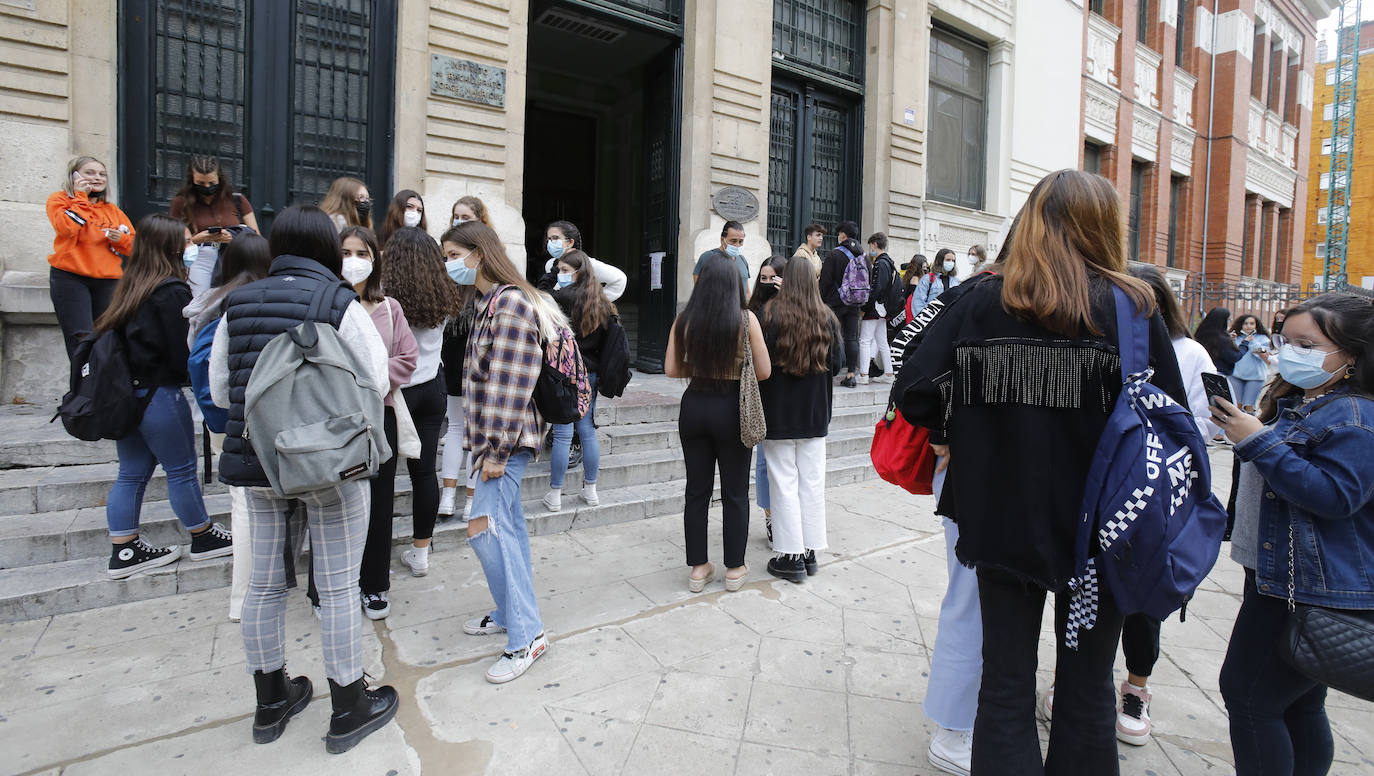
(482, 626)
(448, 499)
(589, 494)
(951, 750)
(467, 509)
(411, 560)
(553, 500)
(1133, 718)
(512, 664)
(863, 379)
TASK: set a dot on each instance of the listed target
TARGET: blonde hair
(77, 164)
(342, 201)
(477, 206)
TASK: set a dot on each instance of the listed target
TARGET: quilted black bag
(1332, 646)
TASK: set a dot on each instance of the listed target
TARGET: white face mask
(412, 217)
(356, 270)
(460, 220)
(949, 266)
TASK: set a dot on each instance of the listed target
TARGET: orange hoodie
(80, 246)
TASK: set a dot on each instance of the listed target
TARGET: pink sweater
(401, 349)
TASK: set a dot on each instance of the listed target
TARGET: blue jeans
(956, 665)
(164, 436)
(503, 548)
(562, 445)
(761, 480)
(1278, 716)
(1247, 391)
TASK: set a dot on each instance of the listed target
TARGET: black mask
(364, 207)
(207, 191)
(767, 291)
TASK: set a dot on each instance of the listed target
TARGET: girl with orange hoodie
(93, 236)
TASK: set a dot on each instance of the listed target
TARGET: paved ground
(642, 677)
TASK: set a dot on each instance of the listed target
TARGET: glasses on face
(1309, 348)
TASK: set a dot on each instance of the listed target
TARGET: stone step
(30, 441)
(53, 588)
(41, 489)
(73, 533)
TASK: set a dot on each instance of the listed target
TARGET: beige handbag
(407, 438)
(752, 427)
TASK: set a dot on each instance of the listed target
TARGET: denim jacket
(1318, 468)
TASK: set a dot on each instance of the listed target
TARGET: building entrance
(602, 135)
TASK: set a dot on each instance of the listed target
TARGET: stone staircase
(54, 549)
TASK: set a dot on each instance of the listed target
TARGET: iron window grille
(821, 37)
(814, 166)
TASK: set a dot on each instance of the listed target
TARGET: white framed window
(1321, 250)
(1326, 112)
(1330, 76)
(1326, 146)
(1325, 181)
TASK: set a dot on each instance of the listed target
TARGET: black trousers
(1140, 643)
(708, 423)
(1277, 715)
(1083, 733)
(428, 404)
(78, 301)
(849, 330)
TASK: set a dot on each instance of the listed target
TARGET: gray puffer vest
(255, 314)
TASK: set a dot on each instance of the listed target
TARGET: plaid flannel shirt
(504, 359)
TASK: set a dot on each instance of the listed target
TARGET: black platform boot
(279, 699)
(358, 711)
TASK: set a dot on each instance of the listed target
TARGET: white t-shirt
(427, 364)
(1192, 362)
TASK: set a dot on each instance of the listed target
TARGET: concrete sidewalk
(642, 677)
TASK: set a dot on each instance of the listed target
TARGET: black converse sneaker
(135, 556)
(213, 542)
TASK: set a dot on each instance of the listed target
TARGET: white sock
(589, 489)
(421, 554)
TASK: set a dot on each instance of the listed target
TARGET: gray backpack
(313, 415)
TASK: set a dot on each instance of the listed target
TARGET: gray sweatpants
(338, 529)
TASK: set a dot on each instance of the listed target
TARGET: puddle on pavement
(463, 758)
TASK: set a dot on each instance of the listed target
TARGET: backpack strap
(238, 207)
(1132, 334)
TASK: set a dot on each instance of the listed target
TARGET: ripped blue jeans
(503, 548)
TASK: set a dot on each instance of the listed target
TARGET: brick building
(1200, 111)
(1360, 234)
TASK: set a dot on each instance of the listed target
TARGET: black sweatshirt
(156, 337)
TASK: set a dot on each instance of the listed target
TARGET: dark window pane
(1175, 194)
(329, 136)
(199, 100)
(1181, 41)
(1092, 158)
(1142, 21)
(1095, 6)
(782, 147)
(958, 120)
(823, 35)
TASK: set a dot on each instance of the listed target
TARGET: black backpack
(101, 403)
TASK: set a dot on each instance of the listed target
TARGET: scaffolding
(1336, 272)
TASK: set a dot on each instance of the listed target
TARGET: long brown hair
(413, 274)
(372, 287)
(1164, 297)
(1347, 319)
(158, 243)
(708, 328)
(396, 214)
(342, 200)
(496, 266)
(203, 164)
(803, 325)
(1071, 223)
(590, 308)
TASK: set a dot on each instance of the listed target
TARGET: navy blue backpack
(1148, 503)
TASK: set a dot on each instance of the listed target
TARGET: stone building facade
(639, 120)
(1201, 113)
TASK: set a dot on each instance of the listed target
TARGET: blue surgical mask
(732, 251)
(1303, 366)
(565, 279)
(189, 255)
(556, 248)
(459, 221)
(949, 267)
(461, 273)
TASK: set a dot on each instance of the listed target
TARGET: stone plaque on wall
(463, 79)
(736, 204)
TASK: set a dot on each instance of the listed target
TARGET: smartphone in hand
(1217, 386)
(215, 229)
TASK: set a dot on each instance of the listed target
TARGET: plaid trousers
(338, 530)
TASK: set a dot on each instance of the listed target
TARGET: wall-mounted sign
(736, 204)
(463, 79)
